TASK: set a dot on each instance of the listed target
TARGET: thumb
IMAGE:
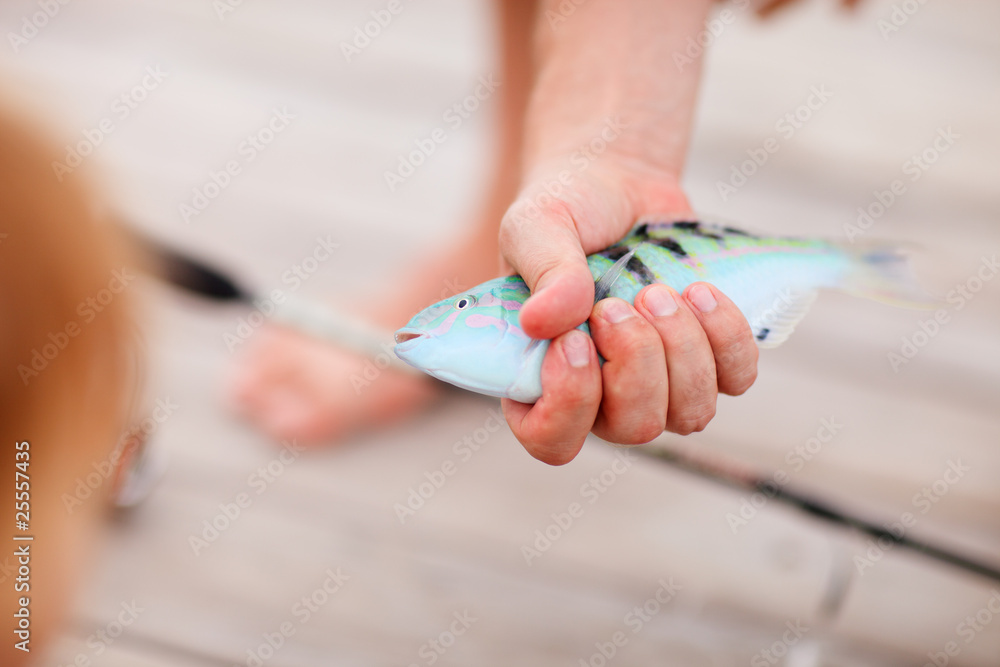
(543, 246)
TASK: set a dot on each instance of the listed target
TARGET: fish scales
(733, 260)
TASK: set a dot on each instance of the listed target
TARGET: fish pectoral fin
(777, 323)
(603, 284)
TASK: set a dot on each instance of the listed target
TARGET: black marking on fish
(738, 232)
(696, 229)
(614, 253)
(670, 244)
(763, 334)
(642, 230)
(708, 235)
(641, 272)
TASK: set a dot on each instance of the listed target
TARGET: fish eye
(465, 302)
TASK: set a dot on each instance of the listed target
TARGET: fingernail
(702, 298)
(576, 348)
(659, 301)
(615, 311)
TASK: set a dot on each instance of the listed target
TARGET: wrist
(608, 69)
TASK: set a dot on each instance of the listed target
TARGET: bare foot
(294, 386)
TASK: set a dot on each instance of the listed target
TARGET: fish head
(474, 340)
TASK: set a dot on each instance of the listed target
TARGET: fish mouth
(406, 338)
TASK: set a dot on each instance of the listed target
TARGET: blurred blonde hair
(57, 249)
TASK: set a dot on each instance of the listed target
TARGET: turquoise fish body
(474, 339)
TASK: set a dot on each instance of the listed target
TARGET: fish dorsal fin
(604, 284)
(776, 324)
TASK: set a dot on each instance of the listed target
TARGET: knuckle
(692, 420)
(701, 385)
(648, 430)
(634, 435)
(687, 427)
(635, 338)
(690, 347)
(735, 345)
(642, 347)
(634, 387)
(682, 428)
(738, 374)
(702, 422)
(686, 339)
(535, 206)
(738, 383)
(576, 395)
(554, 208)
(632, 427)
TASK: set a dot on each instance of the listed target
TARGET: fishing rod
(200, 278)
(740, 478)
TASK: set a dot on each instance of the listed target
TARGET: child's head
(66, 360)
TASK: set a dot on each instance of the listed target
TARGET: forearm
(614, 59)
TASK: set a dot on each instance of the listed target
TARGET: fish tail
(883, 272)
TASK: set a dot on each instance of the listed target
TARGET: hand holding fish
(666, 358)
(622, 138)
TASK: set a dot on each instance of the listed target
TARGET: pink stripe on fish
(699, 262)
(445, 326)
(478, 321)
(757, 250)
(491, 300)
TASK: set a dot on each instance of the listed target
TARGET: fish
(474, 339)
